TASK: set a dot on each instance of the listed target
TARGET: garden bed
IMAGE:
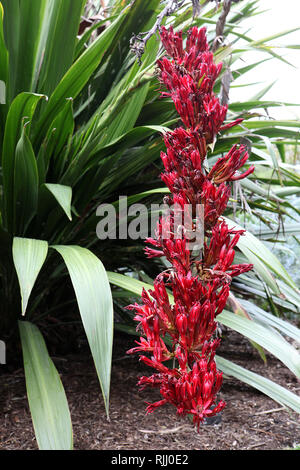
(250, 421)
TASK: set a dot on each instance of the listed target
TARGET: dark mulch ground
(251, 421)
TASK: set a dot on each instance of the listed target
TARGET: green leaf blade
(265, 337)
(28, 256)
(94, 300)
(266, 386)
(57, 43)
(26, 185)
(23, 106)
(47, 400)
(75, 78)
(63, 195)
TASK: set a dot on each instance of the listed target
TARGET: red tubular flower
(199, 283)
(226, 167)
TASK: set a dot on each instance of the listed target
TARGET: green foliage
(80, 124)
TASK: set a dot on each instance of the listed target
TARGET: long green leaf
(266, 386)
(28, 256)
(91, 154)
(271, 321)
(26, 185)
(57, 43)
(11, 26)
(75, 78)
(270, 123)
(23, 66)
(128, 283)
(47, 400)
(265, 337)
(138, 18)
(94, 299)
(274, 36)
(252, 104)
(23, 106)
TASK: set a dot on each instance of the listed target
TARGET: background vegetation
(81, 122)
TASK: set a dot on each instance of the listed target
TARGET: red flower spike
(226, 167)
(187, 376)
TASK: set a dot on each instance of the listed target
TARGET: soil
(250, 421)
